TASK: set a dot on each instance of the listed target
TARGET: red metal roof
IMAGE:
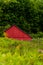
(16, 33)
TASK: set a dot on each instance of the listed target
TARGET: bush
(37, 35)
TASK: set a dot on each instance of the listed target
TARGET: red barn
(16, 33)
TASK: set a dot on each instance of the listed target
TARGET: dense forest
(26, 14)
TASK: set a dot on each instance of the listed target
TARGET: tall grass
(15, 52)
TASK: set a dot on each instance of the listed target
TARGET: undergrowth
(15, 52)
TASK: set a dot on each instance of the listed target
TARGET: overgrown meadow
(15, 52)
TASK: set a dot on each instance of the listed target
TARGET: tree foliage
(26, 14)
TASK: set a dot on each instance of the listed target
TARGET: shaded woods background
(26, 14)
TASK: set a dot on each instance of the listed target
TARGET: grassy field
(15, 52)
